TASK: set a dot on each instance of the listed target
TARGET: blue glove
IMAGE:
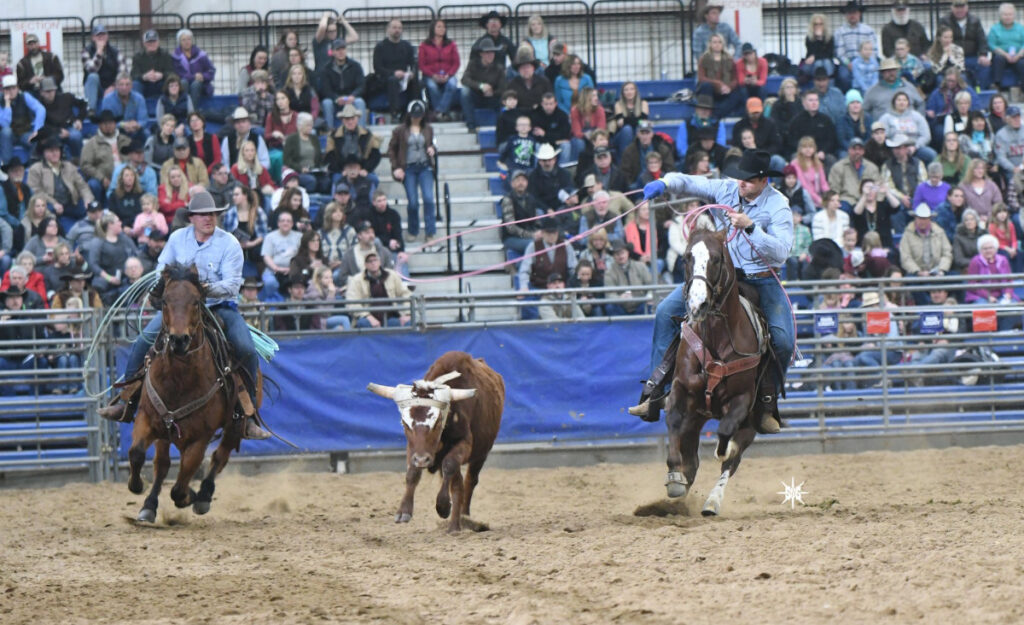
(653, 189)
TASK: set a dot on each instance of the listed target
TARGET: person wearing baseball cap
(342, 84)
(64, 114)
(1009, 144)
(217, 256)
(21, 117)
(846, 174)
(766, 133)
(36, 65)
(762, 222)
(102, 63)
(151, 65)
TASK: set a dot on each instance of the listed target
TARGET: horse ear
(705, 222)
(193, 270)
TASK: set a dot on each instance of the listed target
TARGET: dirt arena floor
(931, 536)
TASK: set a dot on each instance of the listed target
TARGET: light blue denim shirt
(772, 238)
(219, 261)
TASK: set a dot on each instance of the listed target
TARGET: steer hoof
(403, 517)
(146, 516)
(201, 507)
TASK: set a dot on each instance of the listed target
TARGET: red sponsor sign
(878, 322)
(984, 320)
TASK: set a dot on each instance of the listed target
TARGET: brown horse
(187, 397)
(720, 364)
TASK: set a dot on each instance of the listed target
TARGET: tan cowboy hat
(888, 64)
(202, 203)
(525, 56)
(546, 151)
(348, 111)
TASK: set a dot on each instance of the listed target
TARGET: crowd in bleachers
(898, 153)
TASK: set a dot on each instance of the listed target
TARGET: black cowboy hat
(851, 5)
(753, 164)
(75, 273)
(299, 276)
(12, 291)
(492, 15)
(48, 143)
(135, 145)
(487, 45)
(252, 282)
(14, 162)
(619, 244)
(106, 115)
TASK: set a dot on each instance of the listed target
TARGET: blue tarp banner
(562, 381)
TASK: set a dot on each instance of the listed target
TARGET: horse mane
(176, 272)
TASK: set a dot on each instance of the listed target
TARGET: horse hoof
(146, 516)
(201, 507)
(709, 510)
(675, 489)
(403, 517)
(444, 509)
(135, 486)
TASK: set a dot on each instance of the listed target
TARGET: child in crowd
(911, 67)
(653, 171)
(800, 254)
(520, 149)
(149, 219)
(865, 67)
(506, 126)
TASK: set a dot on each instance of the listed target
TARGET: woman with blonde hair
(107, 256)
(717, 77)
(586, 117)
(537, 35)
(173, 194)
(787, 106)
(820, 47)
(598, 253)
(630, 108)
(322, 289)
(810, 171)
(980, 192)
(249, 172)
(300, 93)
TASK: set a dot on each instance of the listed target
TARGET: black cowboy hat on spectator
(49, 143)
(525, 57)
(12, 291)
(94, 207)
(351, 159)
(705, 132)
(106, 115)
(133, 146)
(492, 15)
(252, 282)
(202, 203)
(753, 164)
(487, 45)
(14, 162)
(820, 72)
(704, 101)
(619, 244)
(76, 274)
(295, 278)
(850, 6)
(548, 224)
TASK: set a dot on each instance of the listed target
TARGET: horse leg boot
(652, 398)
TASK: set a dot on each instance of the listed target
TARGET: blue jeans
(442, 102)
(725, 105)
(842, 382)
(68, 361)
(74, 142)
(844, 78)
(330, 110)
(516, 244)
(774, 305)
(999, 67)
(980, 74)
(93, 92)
(392, 322)
(926, 154)
(150, 89)
(471, 100)
(98, 191)
(335, 321)
(197, 90)
(621, 140)
(235, 329)
(29, 363)
(422, 178)
(8, 139)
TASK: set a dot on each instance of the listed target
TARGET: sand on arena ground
(926, 536)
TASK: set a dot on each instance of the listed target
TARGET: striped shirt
(848, 39)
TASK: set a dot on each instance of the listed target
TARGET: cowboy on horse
(762, 237)
(217, 256)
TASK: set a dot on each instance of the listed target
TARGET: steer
(450, 417)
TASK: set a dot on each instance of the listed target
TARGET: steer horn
(380, 389)
(463, 393)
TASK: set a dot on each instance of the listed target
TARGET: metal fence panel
(126, 31)
(464, 29)
(639, 39)
(228, 38)
(75, 37)
(569, 21)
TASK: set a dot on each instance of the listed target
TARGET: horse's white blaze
(698, 293)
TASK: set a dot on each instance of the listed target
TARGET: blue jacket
(134, 109)
(848, 129)
(563, 92)
(936, 103)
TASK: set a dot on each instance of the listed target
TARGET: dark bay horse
(187, 397)
(720, 364)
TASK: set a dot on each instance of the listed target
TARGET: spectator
(241, 132)
(301, 97)
(997, 107)
(291, 319)
(394, 63)
(13, 300)
(957, 120)
(830, 222)
(328, 32)
(637, 234)
(1003, 229)
(246, 220)
(493, 22)
(948, 214)
(24, 275)
(606, 173)
(552, 126)
(36, 65)
(901, 119)
(912, 68)
(101, 153)
(482, 81)
(290, 201)
(73, 281)
(752, 71)
(788, 106)
(42, 245)
(279, 58)
(353, 262)
(571, 82)
(107, 255)
(847, 173)
(924, 249)
(716, 76)
(102, 63)
(81, 233)
(933, 190)
(634, 157)
(193, 168)
(281, 123)
(343, 198)
(342, 83)
(126, 200)
(58, 182)
(874, 210)
(855, 123)
(310, 256)
(519, 205)
(15, 191)
(811, 123)
(411, 152)
(876, 149)
(148, 220)
(64, 115)
(360, 186)
(601, 212)
(21, 118)
(507, 117)
(519, 152)
(711, 25)
(552, 185)
(278, 248)
(969, 35)
(1009, 144)
(322, 289)
(598, 254)
(878, 100)
(587, 116)
(439, 65)
(374, 282)
(652, 172)
(127, 106)
(387, 225)
(337, 236)
(766, 134)
(942, 102)
(529, 86)
(831, 100)
(810, 170)
(799, 199)
(259, 60)
(133, 155)
(174, 193)
(820, 46)
(980, 192)
(151, 66)
(865, 67)
(557, 306)
(625, 272)
(629, 110)
(195, 69)
(903, 27)
(159, 148)
(966, 243)
(705, 157)
(250, 171)
(302, 154)
(539, 39)
(1006, 41)
(988, 262)
(257, 98)
(559, 52)
(841, 355)
(352, 142)
(902, 173)
(848, 40)
(871, 355)
(201, 143)
(945, 54)
(556, 257)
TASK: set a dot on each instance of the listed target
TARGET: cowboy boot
(767, 397)
(649, 407)
(252, 429)
(123, 412)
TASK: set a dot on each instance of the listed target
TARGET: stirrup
(649, 408)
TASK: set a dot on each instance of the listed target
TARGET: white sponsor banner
(745, 18)
(51, 38)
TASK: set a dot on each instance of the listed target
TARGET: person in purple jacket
(193, 66)
(932, 191)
